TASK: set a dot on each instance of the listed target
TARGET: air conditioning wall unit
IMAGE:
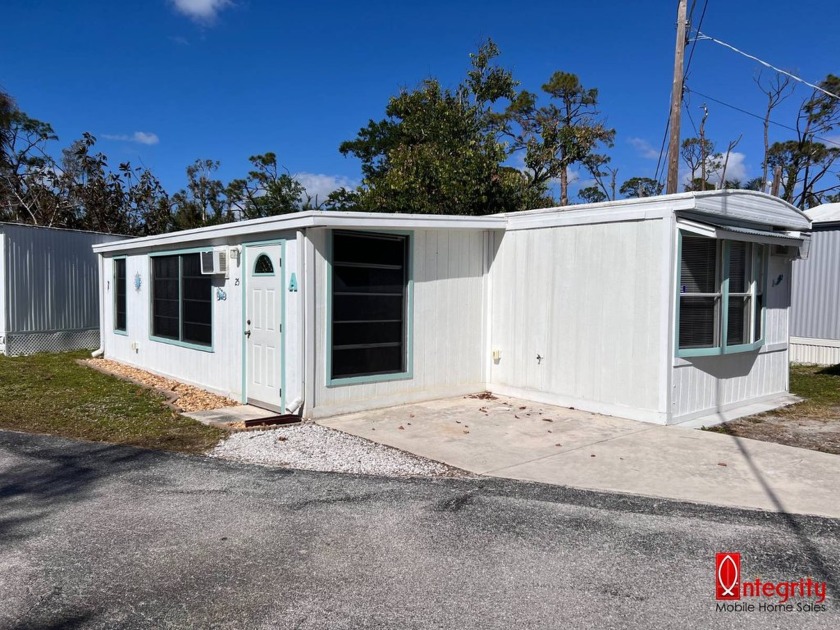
(215, 262)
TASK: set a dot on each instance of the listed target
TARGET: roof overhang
(733, 208)
(256, 229)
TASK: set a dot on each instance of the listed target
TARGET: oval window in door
(263, 266)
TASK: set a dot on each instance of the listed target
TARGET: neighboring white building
(815, 313)
(49, 297)
(662, 309)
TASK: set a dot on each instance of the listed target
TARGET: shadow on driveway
(39, 476)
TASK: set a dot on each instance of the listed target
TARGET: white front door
(264, 325)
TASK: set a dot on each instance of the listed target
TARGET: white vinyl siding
(588, 301)
(448, 277)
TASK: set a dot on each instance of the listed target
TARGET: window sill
(716, 352)
(375, 378)
(121, 333)
(182, 344)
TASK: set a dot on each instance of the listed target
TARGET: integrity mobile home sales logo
(731, 589)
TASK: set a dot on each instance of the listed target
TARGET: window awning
(738, 233)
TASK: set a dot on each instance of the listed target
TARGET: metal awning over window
(738, 233)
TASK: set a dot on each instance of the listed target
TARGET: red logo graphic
(728, 576)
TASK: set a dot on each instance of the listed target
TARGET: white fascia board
(386, 221)
(217, 234)
(643, 210)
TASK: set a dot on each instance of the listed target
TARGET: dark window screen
(369, 281)
(119, 295)
(196, 305)
(698, 275)
(165, 301)
(181, 299)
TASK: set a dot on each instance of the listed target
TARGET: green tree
(203, 201)
(7, 108)
(97, 196)
(592, 194)
(265, 191)
(640, 187)
(806, 160)
(556, 136)
(700, 157)
(756, 183)
(436, 151)
(29, 176)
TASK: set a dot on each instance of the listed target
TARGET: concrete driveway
(517, 439)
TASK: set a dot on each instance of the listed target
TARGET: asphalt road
(94, 535)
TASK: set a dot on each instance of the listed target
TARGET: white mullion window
(721, 295)
(740, 295)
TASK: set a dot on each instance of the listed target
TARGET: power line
(761, 118)
(687, 106)
(764, 63)
(699, 26)
(657, 175)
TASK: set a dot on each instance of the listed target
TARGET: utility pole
(676, 102)
(777, 181)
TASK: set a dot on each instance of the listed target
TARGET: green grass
(51, 393)
(813, 423)
(819, 386)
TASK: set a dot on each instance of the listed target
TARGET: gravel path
(313, 447)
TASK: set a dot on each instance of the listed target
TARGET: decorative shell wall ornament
(220, 295)
(138, 281)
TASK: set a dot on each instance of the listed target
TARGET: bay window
(721, 295)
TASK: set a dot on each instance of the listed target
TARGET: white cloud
(202, 11)
(736, 170)
(320, 185)
(644, 148)
(140, 137)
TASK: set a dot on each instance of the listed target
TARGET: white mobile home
(661, 309)
(815, 312)
(49, 291)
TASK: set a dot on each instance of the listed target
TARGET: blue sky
(163, 82)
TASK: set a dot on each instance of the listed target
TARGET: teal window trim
(757, 275)
(182, 344)
(120, 331)
(408, 373)
(169, 340)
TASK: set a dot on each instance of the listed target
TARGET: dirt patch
(483, 396)
(181, 396)
(815, 433)
(813, 424)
